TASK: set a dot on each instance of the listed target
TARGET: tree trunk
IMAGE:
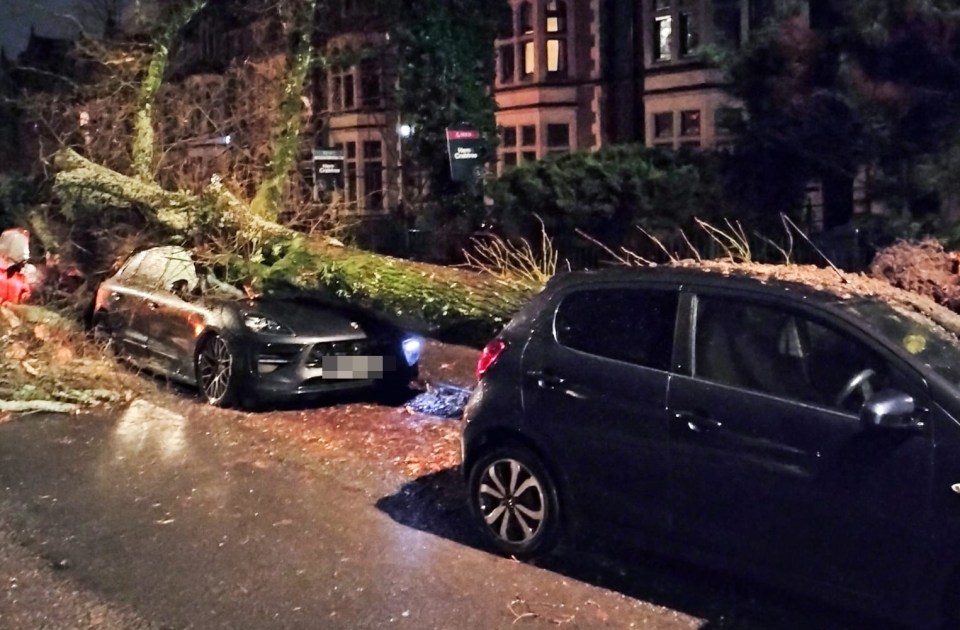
(462, 304)
(266, 201)
(143, 139)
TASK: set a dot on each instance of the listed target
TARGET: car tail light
(491, 352)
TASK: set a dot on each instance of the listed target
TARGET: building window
(528, 135)
(341, 88)
(526, 18)
(557, 56)
(727, 17)
(556, 16)
(371, 91)
(558, 137)
(727, 120)
(529, 156)
(508, 145)
(350, 158)
(690, 123)
(675, 29)
(529, 59)
(556, 28)
(373, 175)
(663, 126)
(508, 63)
(689, 33)
(662, 37)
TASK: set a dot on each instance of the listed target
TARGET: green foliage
(608, 194)
(875, 84)
(445, 67)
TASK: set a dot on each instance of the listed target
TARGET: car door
(175, 314)
(773, 467)
(595, 381)
(123, 304)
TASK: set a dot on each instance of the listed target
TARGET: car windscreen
(932, 345)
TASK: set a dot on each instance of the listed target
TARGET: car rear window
(627, 324)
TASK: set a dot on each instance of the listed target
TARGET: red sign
(463, 134)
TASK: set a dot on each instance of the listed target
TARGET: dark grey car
(793, 435)
(166, 314)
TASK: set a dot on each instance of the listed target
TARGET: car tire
(513, 499)
(218, 371)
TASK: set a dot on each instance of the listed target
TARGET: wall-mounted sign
(465, 149)
(327, 169)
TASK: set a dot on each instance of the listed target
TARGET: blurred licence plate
(352, 367)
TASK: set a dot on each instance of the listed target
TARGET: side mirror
(888, 410)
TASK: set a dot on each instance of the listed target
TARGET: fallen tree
(450, 302)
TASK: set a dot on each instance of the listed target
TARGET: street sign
(327, 169)
(465, 147)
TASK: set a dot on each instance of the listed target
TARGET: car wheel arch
(502, 437)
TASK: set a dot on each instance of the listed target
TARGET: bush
(608, 194)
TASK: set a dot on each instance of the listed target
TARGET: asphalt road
(188, 522)
(178, 516)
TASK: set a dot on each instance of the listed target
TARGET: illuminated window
(529, 59)
(662, 37)
(556, 12)
(675, 29)
(556, 26)
(557, 56)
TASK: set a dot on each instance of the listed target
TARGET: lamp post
(404, 131)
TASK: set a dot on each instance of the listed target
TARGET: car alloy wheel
(216, 370)
(515, 500)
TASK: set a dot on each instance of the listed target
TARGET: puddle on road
(147, 428)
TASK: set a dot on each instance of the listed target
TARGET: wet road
(192, 522)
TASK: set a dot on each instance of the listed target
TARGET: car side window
(626, 324)
(784, 354)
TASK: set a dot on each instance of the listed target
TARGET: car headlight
(411, 349)
(261, 323)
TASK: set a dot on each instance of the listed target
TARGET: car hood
(312, 319)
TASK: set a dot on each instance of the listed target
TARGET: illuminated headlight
(259, 323)
(411, 349)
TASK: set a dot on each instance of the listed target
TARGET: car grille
(350, 347)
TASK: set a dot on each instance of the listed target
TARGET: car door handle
(697, 421)
(546, 380)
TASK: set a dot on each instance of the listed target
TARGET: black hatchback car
(793, 435)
